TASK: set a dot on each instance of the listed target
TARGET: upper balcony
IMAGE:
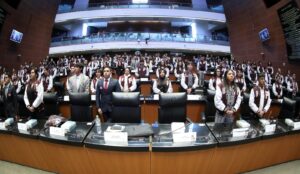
(129, 41)
(109, 10)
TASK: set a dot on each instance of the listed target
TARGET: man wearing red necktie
(105, 87)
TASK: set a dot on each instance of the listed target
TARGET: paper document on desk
(193, 97)
(177, 127)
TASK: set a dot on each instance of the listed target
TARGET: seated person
(189, 79)
(277, 89)
(97, 76)
(179, 69)
(16, 82)
(162, 66)
(292, 87)
(127, 82)
(260, 99)
(142, 71)
(240, 81)
(216, 80)
(162, 84)
(47, 80)
(227, 99)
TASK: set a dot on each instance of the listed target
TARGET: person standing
(33, 96)
(105, 87)
(227, 99)
(260, 99)
(9, 97)
(78, 83)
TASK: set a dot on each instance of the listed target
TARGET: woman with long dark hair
(227, 99)
(33, 96)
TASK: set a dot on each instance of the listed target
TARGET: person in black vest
(227, 99)
(240, 81)
(105, 87)
(162, 84)
(142, 71)
(127, 82)
(277, 89)
(260, 99)
(33, 96)
(189, 79)
(202, 68)
(47, 80)
(216, 80)
(9, 97)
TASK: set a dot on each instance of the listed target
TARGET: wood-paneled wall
(35, 19)
(245, 19)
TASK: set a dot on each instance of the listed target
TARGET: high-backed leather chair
(172, 107)
(23, 111)
(51, 104)
(1, 108)
(210, 110)
(81, 107)
(288, 108)
(126, 107)
(59, 88)
(245, 110)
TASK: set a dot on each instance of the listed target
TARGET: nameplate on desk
(296, 125)
(93, 97)
(155, 97)
(270, 128)
(116, 137)
(57, 131)
(193, 97)
(185, 137)
(31, 123)
(66, 98)
(291, 123)
(2, 126)
(240, 132)
(22, 126)
(144, 79)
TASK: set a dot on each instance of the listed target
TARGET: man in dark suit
(105, 87)
(9, 97)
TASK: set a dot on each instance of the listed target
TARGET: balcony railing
(65, 8)
(138, 37)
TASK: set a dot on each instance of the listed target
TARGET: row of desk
(214, 151)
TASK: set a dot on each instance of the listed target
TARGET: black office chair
(59, 88)
(81, 108)
(245, 110)
(126, 107)
(23, 111)
(138, 86)
(210, 110)
(51, 104)
(172, 107)
(288, 108)
(1, 108)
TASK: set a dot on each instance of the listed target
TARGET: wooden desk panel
(191, 162)
(67, 159)
(105, 162)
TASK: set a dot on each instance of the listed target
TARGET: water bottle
(98, 125)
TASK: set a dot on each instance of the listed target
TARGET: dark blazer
(10, 101)
(104, 97)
